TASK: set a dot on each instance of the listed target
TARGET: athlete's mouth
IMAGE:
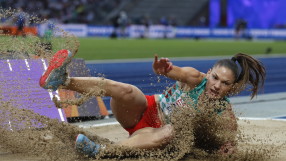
(214, 92)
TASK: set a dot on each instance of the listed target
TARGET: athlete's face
(220, 82)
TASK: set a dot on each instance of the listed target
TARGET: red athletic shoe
(56, 75)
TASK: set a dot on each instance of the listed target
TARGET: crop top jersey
(175, 95)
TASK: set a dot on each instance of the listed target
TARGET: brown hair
(247, 71)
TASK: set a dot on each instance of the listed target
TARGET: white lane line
(44, 64)
(51, 94)
(10, 125)
(27, 64)
(61, 114)
(99, 125)
(257, 118)
(59, 109)
(10, 66)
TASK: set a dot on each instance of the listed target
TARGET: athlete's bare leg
(148, 137)
(128, 103)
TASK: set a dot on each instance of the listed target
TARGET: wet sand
(262, 133)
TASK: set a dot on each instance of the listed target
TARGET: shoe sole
(78, 141)
(61, 58)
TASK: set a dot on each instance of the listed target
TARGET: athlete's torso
(178, 93)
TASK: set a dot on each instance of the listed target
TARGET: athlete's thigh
(129, 109)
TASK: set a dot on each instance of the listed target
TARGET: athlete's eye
(215, 77)
(226, 83)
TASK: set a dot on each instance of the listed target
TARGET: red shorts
(150, 117)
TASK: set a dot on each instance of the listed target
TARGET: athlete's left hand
(227, 149)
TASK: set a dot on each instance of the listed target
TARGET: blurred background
(240, 19)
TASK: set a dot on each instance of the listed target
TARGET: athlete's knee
(127, 92)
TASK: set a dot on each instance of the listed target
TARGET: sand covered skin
(199, 134)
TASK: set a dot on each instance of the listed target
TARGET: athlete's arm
(188, 75)
(152, 137)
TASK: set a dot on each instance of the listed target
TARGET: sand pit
(265, 133)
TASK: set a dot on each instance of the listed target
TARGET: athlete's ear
(209, 71)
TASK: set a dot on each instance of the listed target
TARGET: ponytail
(252, 73)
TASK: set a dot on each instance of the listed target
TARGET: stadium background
(128, 29)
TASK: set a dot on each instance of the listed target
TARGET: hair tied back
(233, 59)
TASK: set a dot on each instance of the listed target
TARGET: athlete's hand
(227, 149)
(162, 66)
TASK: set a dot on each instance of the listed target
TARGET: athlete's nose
(217, 85)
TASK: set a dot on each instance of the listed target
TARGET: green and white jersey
(171, 97)
(176, 95)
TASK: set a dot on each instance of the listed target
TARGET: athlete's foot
(86, 146)
(56, 75)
